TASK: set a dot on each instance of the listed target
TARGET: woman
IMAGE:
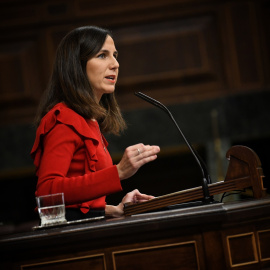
(70, 152)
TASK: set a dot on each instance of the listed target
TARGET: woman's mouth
(111, 78)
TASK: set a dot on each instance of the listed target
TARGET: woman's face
(102, 69)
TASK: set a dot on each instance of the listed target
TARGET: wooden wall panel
(244, 58)
(264, 31)
(19, 71)
(54, 11)
(17, 14)
(182, 51)
(171, 59)
(52, 37)
(20, 78)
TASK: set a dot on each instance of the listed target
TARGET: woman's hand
(134, 196)
(134, 157)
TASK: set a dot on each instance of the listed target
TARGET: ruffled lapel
(61, 113)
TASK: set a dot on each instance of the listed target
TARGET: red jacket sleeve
(60, 145)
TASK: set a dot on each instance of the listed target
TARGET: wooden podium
(211, 236)
(244, 171)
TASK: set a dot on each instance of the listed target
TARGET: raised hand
(134, 157)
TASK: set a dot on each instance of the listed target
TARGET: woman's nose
(114, 63)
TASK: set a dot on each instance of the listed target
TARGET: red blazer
(71, 156)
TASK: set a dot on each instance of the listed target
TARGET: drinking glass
(51, 209)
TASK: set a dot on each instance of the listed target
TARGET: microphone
(205, 175)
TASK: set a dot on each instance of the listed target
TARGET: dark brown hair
(69, 82)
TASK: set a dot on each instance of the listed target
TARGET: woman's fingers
(142, 198)
(132, 197)
(145, 154)
(134, 157)
(135, 196)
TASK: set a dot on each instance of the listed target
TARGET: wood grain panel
(180, 55)
(170, 256)
(242, 249)
(57, 10)
(263, 244)
(244, 50)
(175, 50)
(264, 30)
(52, 37)
(18, 14)
(20, 79)
(94, 262)
(164, 51)
(19, 76)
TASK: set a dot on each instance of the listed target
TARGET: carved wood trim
(260, 248)
(253, 246)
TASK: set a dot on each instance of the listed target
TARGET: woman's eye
(102, 55)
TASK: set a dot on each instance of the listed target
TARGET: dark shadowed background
(208, 61)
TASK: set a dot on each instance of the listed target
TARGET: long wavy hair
(69, 82)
